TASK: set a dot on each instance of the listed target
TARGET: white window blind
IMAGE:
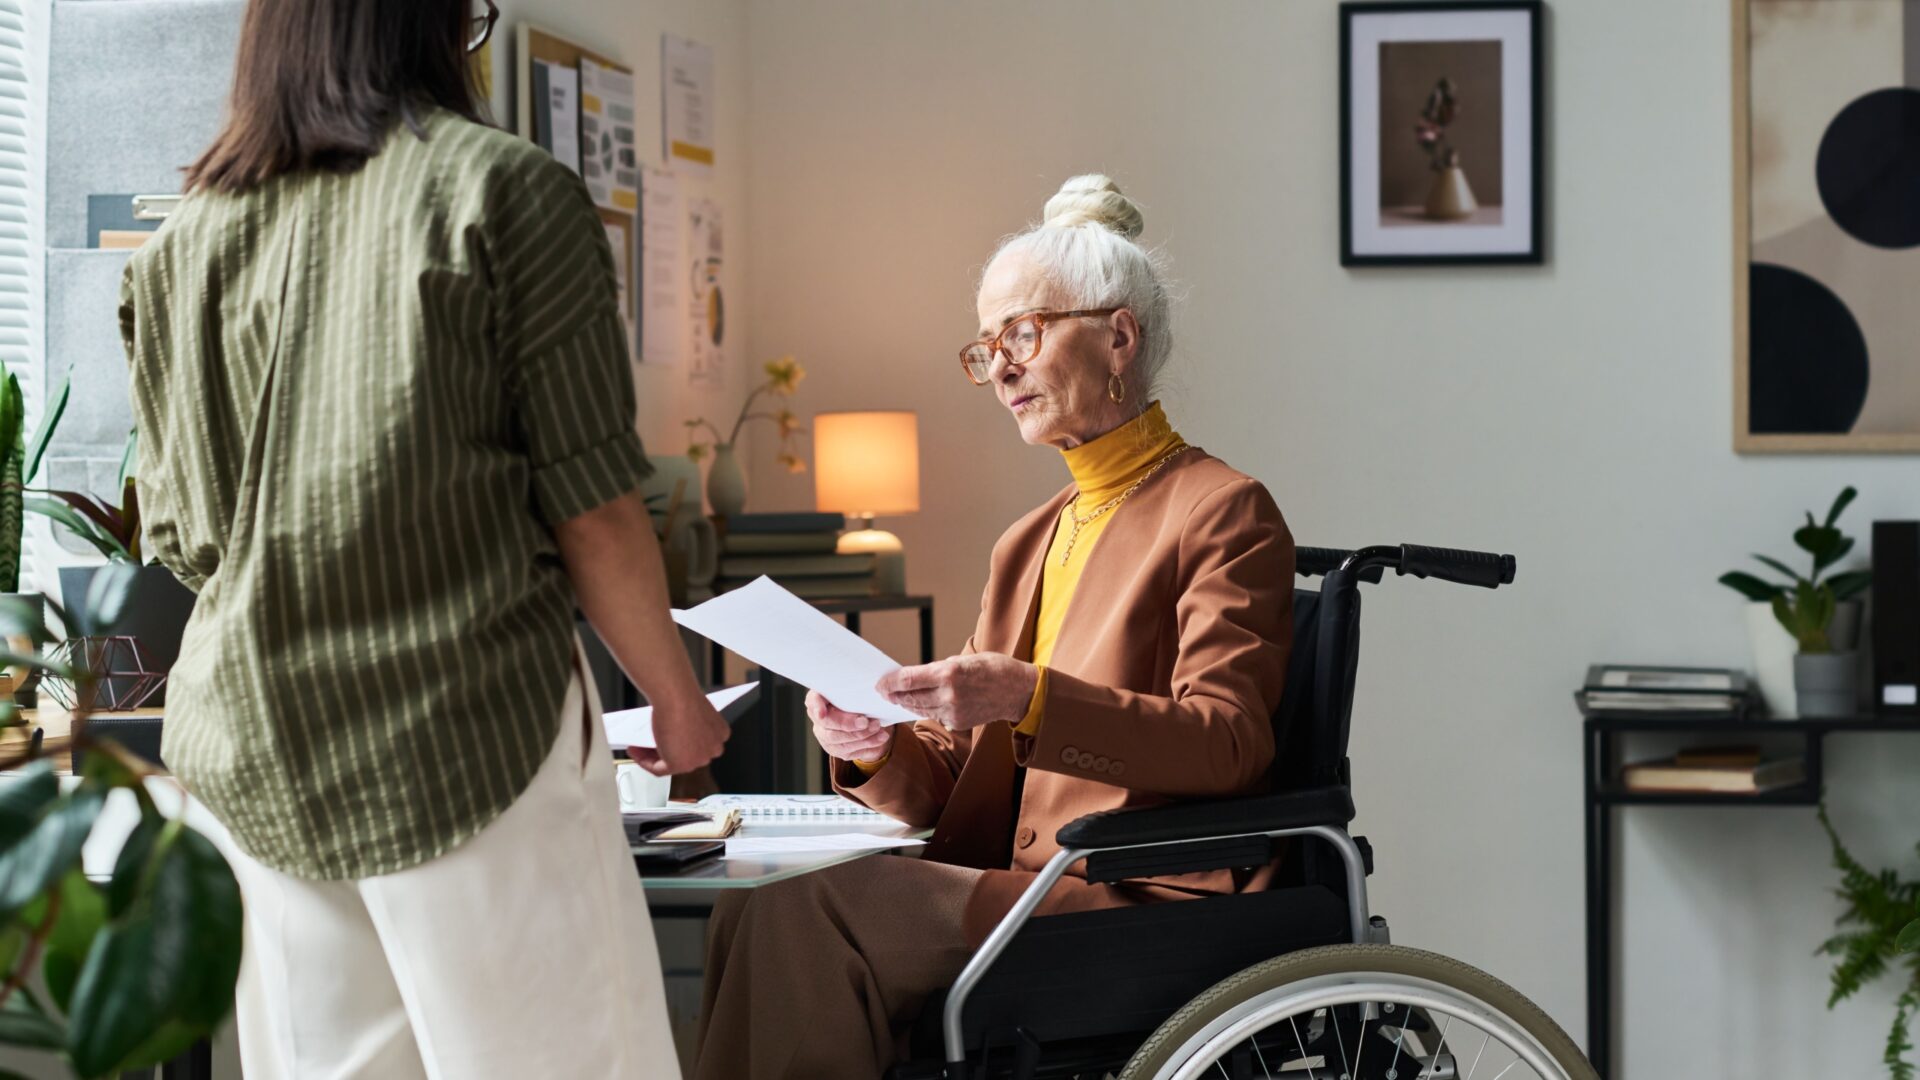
(23, 52)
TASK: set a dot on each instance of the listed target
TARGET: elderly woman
(1129, 653)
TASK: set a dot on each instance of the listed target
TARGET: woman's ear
(1123, 337)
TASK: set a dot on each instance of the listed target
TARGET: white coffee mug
(640, 789)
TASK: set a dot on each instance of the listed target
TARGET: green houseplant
(135, 969)
(1879, 931)
(1818, 613)
(19, 464)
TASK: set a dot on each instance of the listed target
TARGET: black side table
(1605, 793)
(769, 751)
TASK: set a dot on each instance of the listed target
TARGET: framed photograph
(1826, 232)
(1440, 133)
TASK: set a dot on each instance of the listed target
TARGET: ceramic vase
(1774, 650)
(1451, 197)
(726, 482)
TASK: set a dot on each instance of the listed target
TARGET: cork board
(537, 44)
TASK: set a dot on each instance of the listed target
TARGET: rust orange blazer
(1162, 686)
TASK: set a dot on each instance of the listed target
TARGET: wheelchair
(1298, 981)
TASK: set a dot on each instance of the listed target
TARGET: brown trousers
(817, 977)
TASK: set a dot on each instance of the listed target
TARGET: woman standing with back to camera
(386, 433)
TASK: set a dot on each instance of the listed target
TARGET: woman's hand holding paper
(844, 735)
(964, 692)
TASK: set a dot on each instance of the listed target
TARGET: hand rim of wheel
(1346, 988)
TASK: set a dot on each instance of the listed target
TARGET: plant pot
(1774, 650)
(1451, 197)
(726, 482)
(20, 683)
(156, 613)
(1826, 684)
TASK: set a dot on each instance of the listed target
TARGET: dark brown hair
(319, 83)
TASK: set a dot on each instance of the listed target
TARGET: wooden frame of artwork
(1802, 315)
(1375, 176)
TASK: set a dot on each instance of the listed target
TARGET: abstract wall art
(1826, 225)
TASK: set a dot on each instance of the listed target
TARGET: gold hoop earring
(1116, 390)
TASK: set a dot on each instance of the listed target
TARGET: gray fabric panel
(83, 332)
(135, 91)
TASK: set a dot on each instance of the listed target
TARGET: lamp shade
(866, 464)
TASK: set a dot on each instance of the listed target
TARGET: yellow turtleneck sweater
(1101, 470)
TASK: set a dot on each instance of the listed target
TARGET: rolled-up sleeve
(559, 326)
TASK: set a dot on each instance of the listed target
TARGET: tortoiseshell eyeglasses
(1019, 340)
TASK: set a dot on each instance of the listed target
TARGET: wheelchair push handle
(1482, 568)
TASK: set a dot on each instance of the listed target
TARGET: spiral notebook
(772, 808)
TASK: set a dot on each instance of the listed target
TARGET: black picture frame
(1527, 245)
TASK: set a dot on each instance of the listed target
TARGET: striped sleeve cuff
(576, 409)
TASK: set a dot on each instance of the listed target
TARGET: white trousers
(525, 952)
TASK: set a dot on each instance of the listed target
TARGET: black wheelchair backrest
(1316, 704)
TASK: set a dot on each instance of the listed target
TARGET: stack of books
(1730, 770)
(1693, 693)
(797, 551)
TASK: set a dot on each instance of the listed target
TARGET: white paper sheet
(777, 630)
(706, 307)
(751, 847)
(634, 727)
(607, 160)
(686, 104)
(563, 112)
(663, 321)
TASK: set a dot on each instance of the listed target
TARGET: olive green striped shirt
(364, 401)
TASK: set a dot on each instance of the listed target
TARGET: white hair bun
(1093, 199)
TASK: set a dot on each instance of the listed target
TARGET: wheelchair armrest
(1206, 820)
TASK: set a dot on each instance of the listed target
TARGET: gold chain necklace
(1105, 508)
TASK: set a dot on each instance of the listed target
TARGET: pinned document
(777, 630)
(634, 727)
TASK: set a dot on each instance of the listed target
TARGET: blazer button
(1070, 755)
(1024, 837)
(1117, 768)
(1101, 764)
(1086, 759)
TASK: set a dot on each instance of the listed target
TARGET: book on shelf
(1654, 679)
(780, 543)
(792, 566)
(798, 522)
(809, 588)
(1746, 775)
(1648, 690)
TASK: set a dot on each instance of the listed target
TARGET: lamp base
(889, 558)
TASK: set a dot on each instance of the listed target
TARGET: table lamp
(867, 465)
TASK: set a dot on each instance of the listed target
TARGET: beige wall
(1577, 415)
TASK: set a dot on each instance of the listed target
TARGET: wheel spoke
(1361, 1050)
(1434, 1061)
(1508, 1069)
(1311, 1075)
(1399, 1038)
(1341, 1042)
(1476, 1054)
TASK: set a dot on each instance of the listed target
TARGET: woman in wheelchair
(1130, 651)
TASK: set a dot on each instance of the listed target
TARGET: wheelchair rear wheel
(1360, 1012)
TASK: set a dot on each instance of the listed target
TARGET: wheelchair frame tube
(989, 952)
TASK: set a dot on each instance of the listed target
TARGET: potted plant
(157, 616)
(726, 482)
(1805, 616)
(19, 464)
(112, 977)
